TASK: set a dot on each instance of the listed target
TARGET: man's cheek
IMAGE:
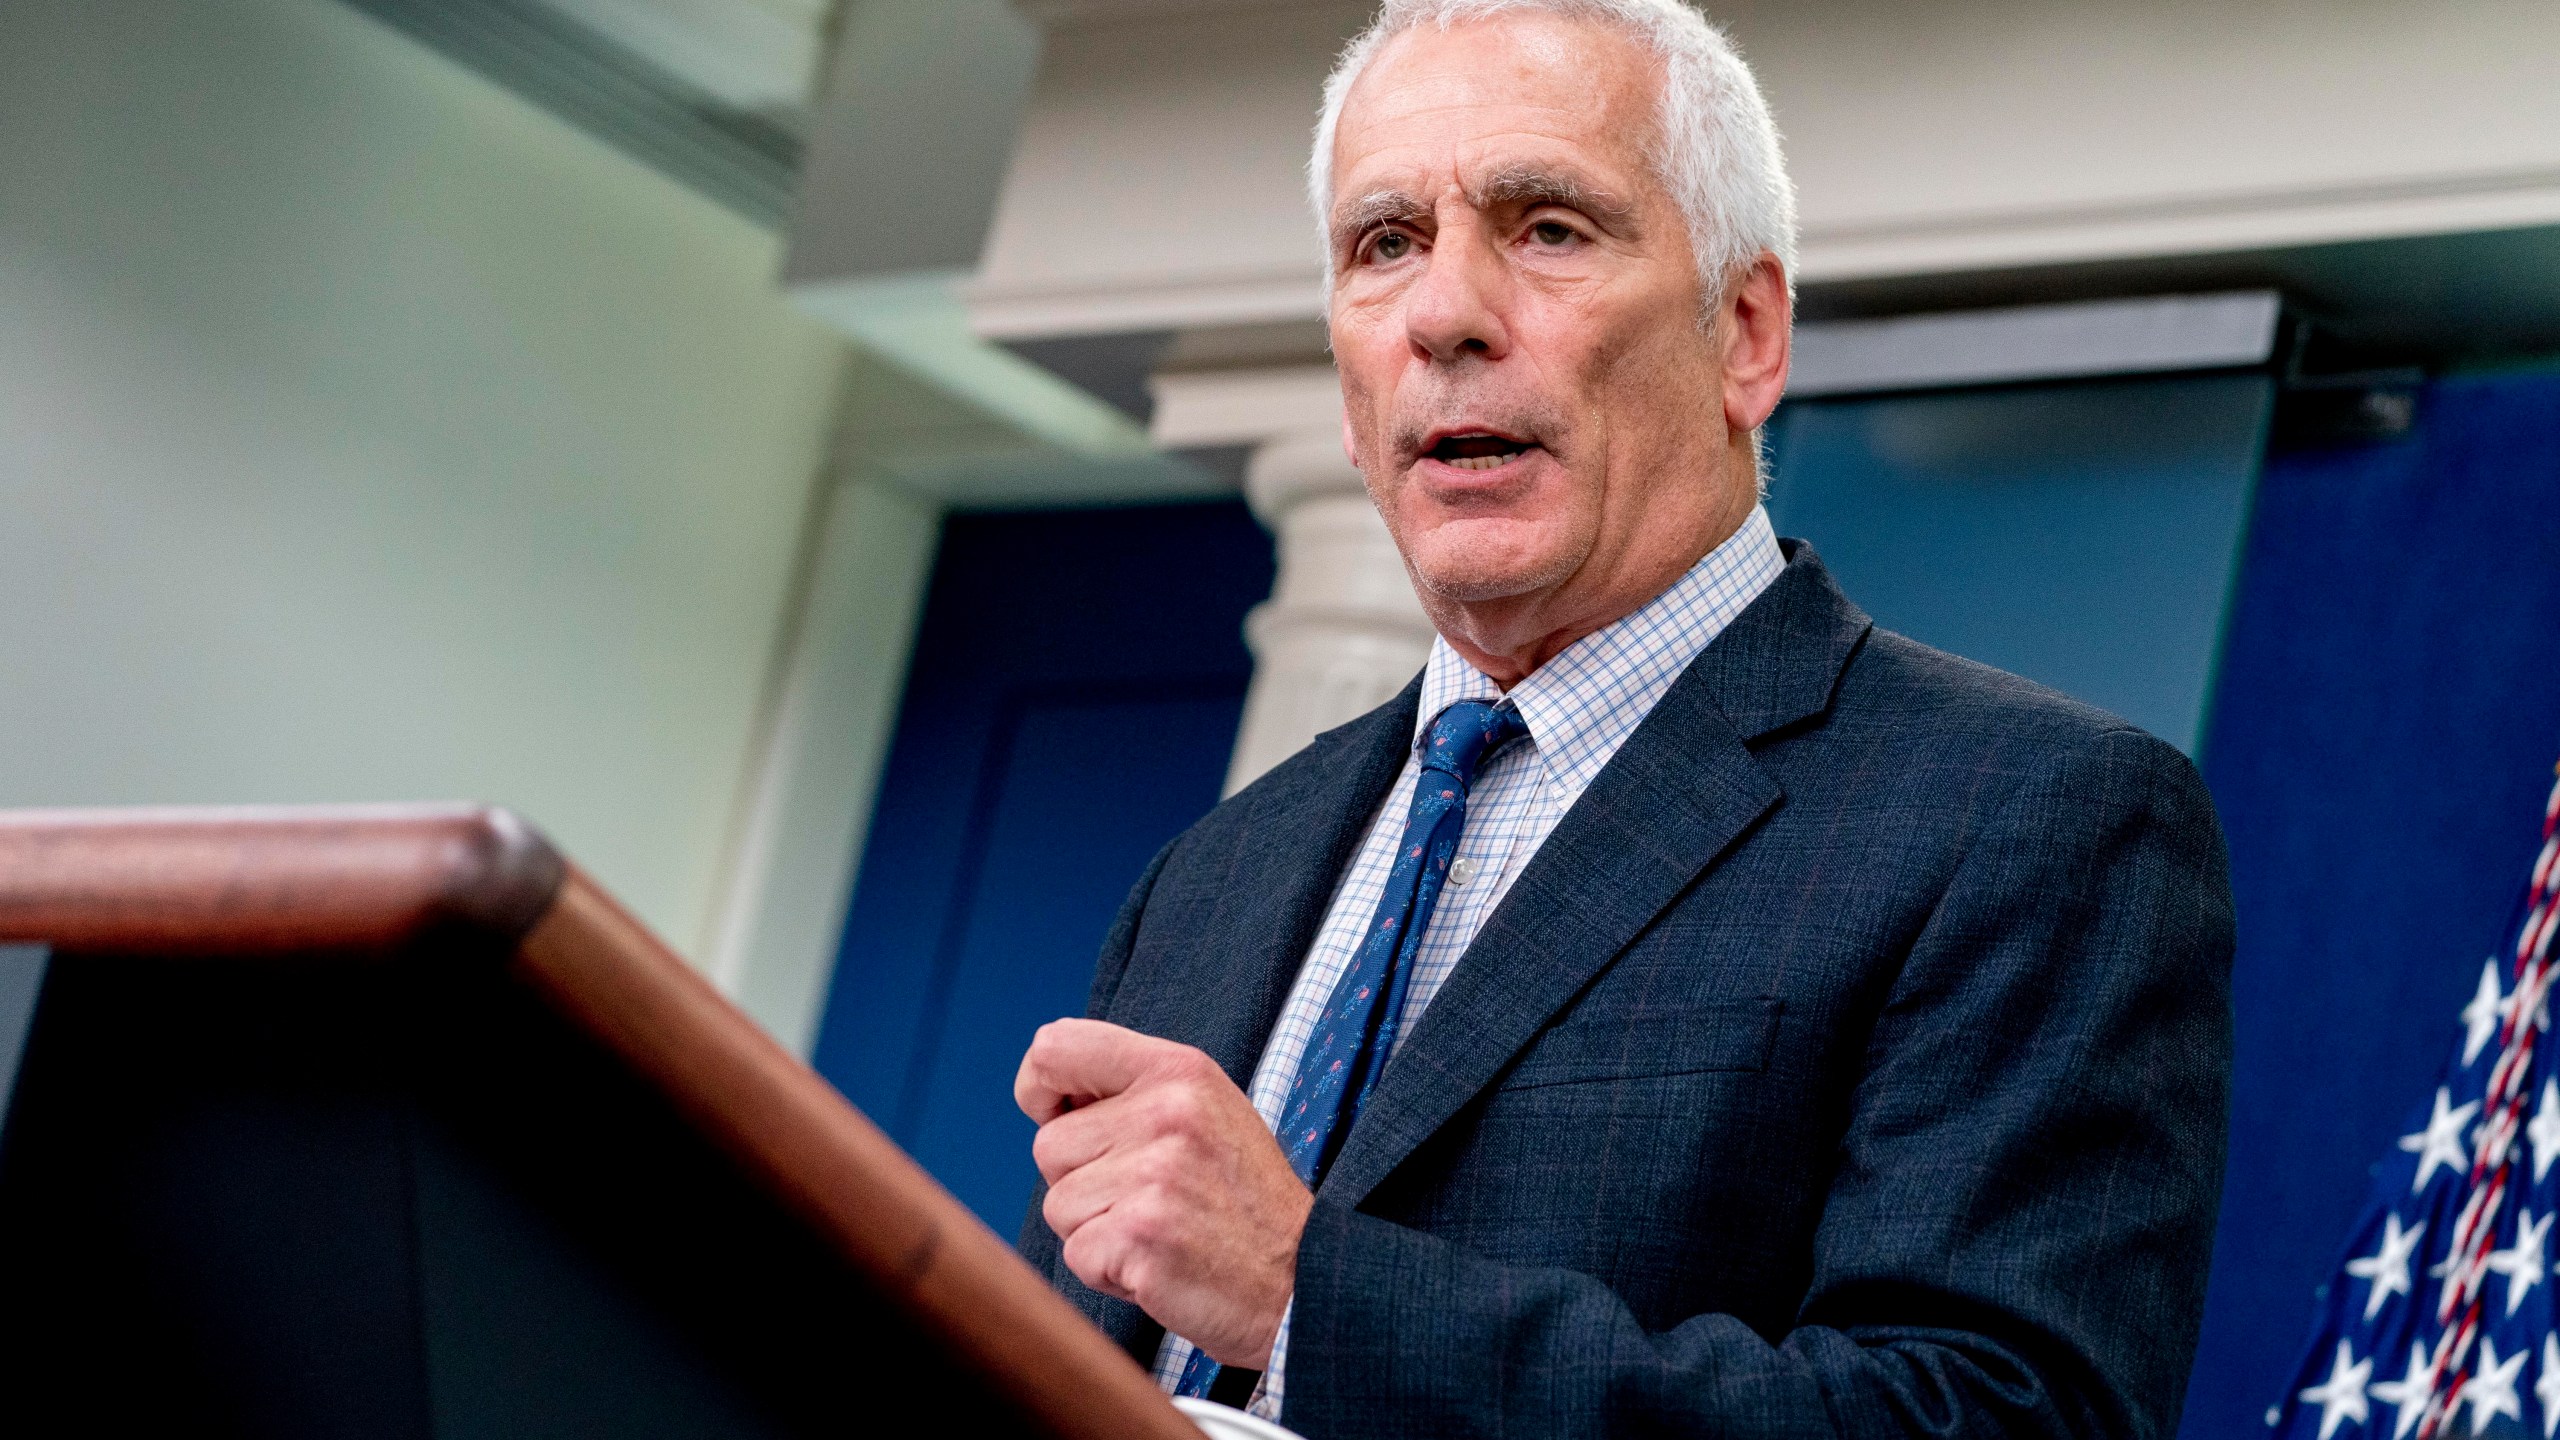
(1364, 428)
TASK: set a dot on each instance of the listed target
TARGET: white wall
(1973, 133)
(1160, 178)
(365, 434)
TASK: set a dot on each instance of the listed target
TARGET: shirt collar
(1583, 704)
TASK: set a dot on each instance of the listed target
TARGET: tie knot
(1466, 734)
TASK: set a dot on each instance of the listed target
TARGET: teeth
(1481, 462)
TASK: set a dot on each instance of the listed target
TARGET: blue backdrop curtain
(2380, 743)
(1077, 680)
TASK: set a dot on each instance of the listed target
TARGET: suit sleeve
(1122, 938)
(2015, 1238)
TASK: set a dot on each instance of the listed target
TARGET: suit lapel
(1220, 985)
(1263, 881)
(1683, 789)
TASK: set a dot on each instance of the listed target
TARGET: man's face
(1517, 313)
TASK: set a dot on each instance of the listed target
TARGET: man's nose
(1455, 308)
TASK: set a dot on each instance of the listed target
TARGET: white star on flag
(2544, 1131)
(2521, 1262)
(2441, 1142)
(2467, 1206)
(2408, 1395)
(2388, 1267)
(2341, 1396)
(2480, 1018)
(2491, 1390)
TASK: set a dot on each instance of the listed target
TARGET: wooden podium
(390, 1123)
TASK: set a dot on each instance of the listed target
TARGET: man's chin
(1466, 578)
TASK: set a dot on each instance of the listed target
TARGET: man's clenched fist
(1164, 1184)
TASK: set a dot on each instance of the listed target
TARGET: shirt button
(1461, 871)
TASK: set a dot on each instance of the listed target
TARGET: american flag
(2441, 1319)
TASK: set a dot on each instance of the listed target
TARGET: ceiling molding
(1202, 408)
(1026, 311)
(754, 55)
(2431, 205)
(917, 323)
(745, 160)
(1051, 13)
(2023, 344)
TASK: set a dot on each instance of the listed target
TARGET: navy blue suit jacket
(1852, 1060)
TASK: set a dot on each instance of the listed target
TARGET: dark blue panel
(2382, 738)
(1091, 788)
(2079, 535)
(1034, 624)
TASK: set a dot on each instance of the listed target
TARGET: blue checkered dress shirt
(1581, 706)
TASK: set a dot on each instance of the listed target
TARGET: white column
(1342, 631)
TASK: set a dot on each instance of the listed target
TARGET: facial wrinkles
(1437, 395)
(1566, 364)
(1672, 471)
(1442, 102)
(1551, 357)
(1370, 211)
(1545, 73)
(1525, 185)
(1459, 145)
(1623, 364)
(1532, 58)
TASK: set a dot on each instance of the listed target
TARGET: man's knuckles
(1073, 1202)
(1097, 1259)
(1112, 1254)
(1188, 1066)
(1174, 1108)
(1176, 1119)
(1058, 1150)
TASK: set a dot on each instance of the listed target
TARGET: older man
(1686, 1008)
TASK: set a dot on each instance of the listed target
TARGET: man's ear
(1758, 322)
(1350, 446)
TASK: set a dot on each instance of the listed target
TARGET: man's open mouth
(1478, 451)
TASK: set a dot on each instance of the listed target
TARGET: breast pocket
(1689, 1038)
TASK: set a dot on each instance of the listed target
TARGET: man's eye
(1392, 246)
(1552, 232)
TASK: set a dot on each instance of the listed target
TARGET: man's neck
(1509, 667)
(1509, 638)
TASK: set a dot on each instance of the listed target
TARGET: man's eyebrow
(1378, 207)
(1527, 186)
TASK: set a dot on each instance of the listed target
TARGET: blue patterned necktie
(1357, 1030)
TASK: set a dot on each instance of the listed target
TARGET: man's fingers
(1077, 1138)
(1090, 1190)
(1072, 1063)
(1104, 1258)
(1076, 1062)
(1185, 1111)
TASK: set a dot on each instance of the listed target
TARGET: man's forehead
(1497, 183)
(1465, 107)
(1503, 168)
(1496, 168)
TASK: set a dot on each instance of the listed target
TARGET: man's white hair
(1717, 148)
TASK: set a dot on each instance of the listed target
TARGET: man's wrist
(1284, 1271)
(1268, 1394)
